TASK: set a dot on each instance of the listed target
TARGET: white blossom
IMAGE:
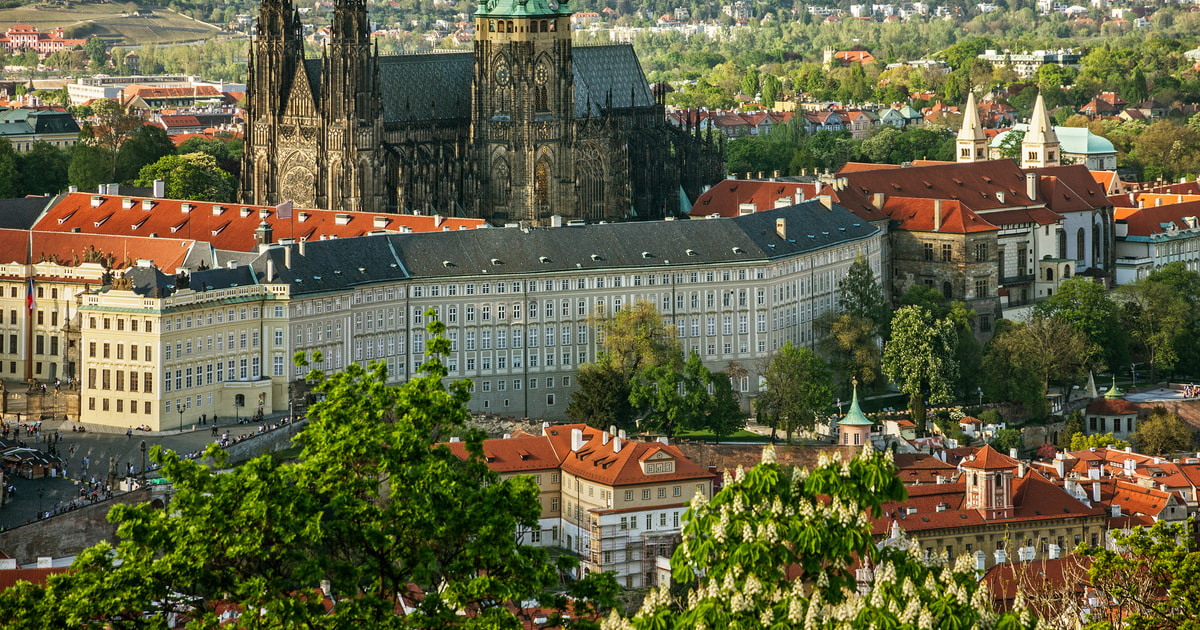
(768, 456)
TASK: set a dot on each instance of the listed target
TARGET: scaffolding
(630, 552)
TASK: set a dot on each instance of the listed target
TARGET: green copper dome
(1114, 392)
(522, 8)
(855, 416)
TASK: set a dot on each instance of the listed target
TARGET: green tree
(862, 297)
(1152, 314)
(110, 127)
(1006, 439)
(1023, 359)
(94, 46)
(850, 344)
(724, 415)
(1081, 442)
(776, 548)
(145, 146)
(194, 176)
(43, 169)
(90, 166)
(796, 387)
(10, 184)
(1010, 146)
(602, 398)
(1087, 306)
(1149, 578)
(1073, 426)
(636, 337)
(670, 398)
(1184, 283)
(749, 83)
(771, 88)
(1162, 432)
(372, 504)
(1135, 89)
(218, 149)
(919, 358)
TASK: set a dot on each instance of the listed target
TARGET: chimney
(937, 215)
(302, 242)
(1157, 201)
(760, 175)
(616, 442)
(826, 201)
(781, 228)
(1031, 186)
(326, 588)
(775, 176)
(1116, 511)
(980, 561)
(72, 189)
(1001, 556)
(1095, 492)
(621, 434)
(45, 562)
(604, 438)
(270, 270)
(287, 257)
(576, 439)
(1060, 466)
(664, 441)
(1054, 550)
(113, 189)
(453, 440)
(1012, 452)
(160, 189)
(877, 200)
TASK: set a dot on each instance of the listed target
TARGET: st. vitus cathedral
(525, 127)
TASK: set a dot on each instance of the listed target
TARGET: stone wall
(70, 533)
(269, 442)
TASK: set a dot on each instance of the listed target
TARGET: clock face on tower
(502, 73)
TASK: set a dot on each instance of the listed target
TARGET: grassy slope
(107, 21)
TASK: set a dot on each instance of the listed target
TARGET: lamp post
(41, 492)
(980, 390)
(179, 408)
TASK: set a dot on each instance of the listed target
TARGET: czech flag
(29, 296)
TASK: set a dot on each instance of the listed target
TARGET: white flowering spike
(930, 583)
(926, 620)
(767, 618)
(768, 455)
(739, 475)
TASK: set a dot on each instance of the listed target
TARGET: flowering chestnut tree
(780, 549)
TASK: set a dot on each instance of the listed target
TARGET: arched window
(541, 183)
(1096, 246)
(1079, 245)
(1049, 274)
(239, 400)
(542, 103)
(946, 290)
(501, 183)
(1062, 243)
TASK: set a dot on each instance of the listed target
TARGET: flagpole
(29, 305)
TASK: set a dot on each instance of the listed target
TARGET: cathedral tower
(971, 143)
(353, 170)
(276, 54)
(1040, 146)
(523, 109)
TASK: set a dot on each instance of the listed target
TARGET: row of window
(502, 385)
(948, 252)
(107, 351)
(221, 316)
(118, 404)
(240, 340)
(115, 380)
(40, 317)
(242, 369)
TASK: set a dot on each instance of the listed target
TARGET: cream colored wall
(58, 286)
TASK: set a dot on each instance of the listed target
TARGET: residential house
(23, 127)
(21, 37)
(616, 503)
(1151, 236)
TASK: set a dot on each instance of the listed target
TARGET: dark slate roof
(21, 213)
(149, 281)
(437, 86)
(651, 245)
(222, 278)
(334, 265)
(599, 69)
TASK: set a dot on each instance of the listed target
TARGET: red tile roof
(520, 453)
(1149, 221)
(226, 226)
(10, 577)
(598, 462)
(724, 198)
(1113, 407)
(917, 215)
(70, 248)
(988, 458)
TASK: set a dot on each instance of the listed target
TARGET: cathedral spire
(971, 142)
(1040, 146)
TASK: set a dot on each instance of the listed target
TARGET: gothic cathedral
(525, 127)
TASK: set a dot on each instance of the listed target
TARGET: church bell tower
(275, 54)
(523, 110)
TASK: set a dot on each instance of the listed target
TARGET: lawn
(740, 436)
(110, 23)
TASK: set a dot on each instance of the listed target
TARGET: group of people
(1191, 391)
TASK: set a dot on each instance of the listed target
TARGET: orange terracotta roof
(854, 167)
(917, 215)
(1106, 179)
(724, 198)
(919, 468)
(598, 462)
(1113, 406)
(978, 185)
(1071, 188)
(1052, 575)
(122, 251)
(226, 226)
(149, 91)
(988, 458)
(517, 454)
(1149, 221)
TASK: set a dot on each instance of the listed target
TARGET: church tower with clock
(523, 109)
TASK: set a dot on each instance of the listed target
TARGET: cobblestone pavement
(98, 447)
